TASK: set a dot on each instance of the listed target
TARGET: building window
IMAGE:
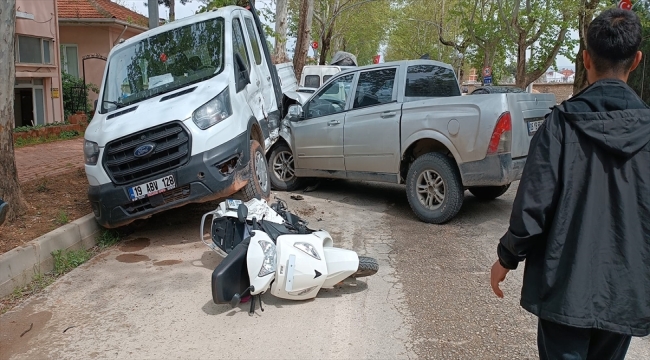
(70, 60)
(33, 50)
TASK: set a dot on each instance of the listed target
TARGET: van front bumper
(211, 175)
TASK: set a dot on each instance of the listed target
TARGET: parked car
(186, 113)
(424, 135)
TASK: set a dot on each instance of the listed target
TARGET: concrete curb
(18, 266)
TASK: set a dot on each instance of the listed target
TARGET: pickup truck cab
(406, 123)
(186, 112)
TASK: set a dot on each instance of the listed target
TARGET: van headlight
(268, 266)
(91, 152)
(214, 111)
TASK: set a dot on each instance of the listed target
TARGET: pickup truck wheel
(281, 169)
(259, 184)
(487, 193)
(434, 189)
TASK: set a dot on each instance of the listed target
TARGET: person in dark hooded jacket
(581, 216)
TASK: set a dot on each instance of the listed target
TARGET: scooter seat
(230, 277)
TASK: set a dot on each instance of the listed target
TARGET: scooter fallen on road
(278, 252)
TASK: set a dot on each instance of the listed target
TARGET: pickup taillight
(501, 136)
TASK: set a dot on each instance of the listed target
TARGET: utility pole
(154, 18)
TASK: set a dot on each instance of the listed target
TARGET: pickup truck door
(371, 141)
(318, 137)
(253, 92)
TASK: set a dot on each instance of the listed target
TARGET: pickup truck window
(162, 63)
(331, 99)
(252, 34)
(312, 81)
(431, 81)
(374, 88)
(238, 42)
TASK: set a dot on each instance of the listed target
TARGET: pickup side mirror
(241, 73)
(295, 113)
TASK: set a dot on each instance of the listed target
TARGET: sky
(190, 9)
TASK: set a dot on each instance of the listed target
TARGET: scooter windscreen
(230, 277)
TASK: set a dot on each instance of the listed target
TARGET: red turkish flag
(625, 5)
(375, 59)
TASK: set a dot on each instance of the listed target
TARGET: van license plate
(533, 126)
(152, 188)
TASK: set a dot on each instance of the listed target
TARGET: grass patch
(64, 261)
(38, 283)
(108, 238)
(62, 218)
(64, 135)
(42, 186)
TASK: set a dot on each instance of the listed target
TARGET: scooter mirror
(242, 213)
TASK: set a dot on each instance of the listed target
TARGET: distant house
(37, 89)
(88, 30)
(554, 77)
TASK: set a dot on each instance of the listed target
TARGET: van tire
(254, 188)
(290, 184)
(431, 173)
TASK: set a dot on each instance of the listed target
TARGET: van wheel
(259, 186)
(282, 170)
(487, 193)
(434, 189)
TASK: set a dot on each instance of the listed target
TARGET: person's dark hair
(613, 39)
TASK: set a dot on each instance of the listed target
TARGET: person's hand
(497, 275)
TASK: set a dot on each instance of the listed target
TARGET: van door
(253, 93)
(266, 85)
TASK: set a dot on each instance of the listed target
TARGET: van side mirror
(295, 112)
(241, 73)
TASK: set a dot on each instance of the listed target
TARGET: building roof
(99, 9)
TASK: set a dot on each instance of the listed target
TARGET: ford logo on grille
(144, 150)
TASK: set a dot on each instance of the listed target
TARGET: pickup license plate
(533, 125)
(152, 188)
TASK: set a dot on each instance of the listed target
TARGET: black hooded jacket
(581, 216)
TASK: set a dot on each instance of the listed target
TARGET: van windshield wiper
(117, 104)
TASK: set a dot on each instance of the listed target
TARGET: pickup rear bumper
(494, 170)
(201, 179)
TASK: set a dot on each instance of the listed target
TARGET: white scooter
(276, 252)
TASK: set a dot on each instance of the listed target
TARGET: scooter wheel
(367, 266)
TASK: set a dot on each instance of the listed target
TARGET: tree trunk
(584, 19)
(9, 186)
(172, 10)
(520, 78)
(325, 46)
(280, 51)
(304, 36)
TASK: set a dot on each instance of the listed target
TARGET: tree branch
(549, 59)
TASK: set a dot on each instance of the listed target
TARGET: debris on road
(297, 197)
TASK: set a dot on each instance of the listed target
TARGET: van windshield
(163, 63)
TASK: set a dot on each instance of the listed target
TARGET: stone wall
(562, 91)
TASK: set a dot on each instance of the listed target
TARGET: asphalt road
(149, 298)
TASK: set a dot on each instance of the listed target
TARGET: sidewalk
(49, 159)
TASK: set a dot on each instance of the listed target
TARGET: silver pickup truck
(406, 123)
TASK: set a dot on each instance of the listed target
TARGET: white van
(314, 76)
(186, 112)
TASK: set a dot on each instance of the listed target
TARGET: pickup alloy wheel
(434, 189)
(281, 165)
